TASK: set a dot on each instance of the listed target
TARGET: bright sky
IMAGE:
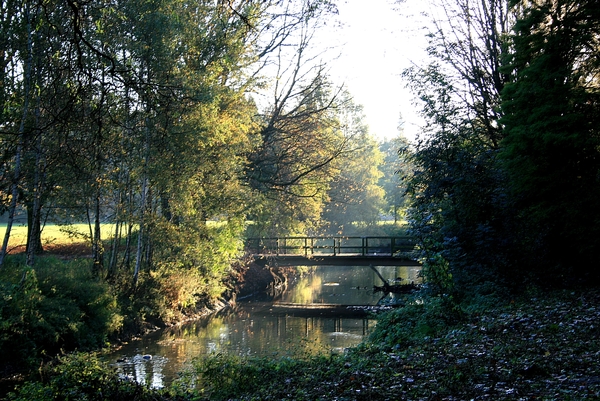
(377, 40)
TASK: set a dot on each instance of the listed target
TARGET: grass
(53, 235)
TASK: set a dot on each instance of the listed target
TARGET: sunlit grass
(54, 234)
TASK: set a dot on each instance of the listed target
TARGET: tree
(395, 169)
(354, 196)
(17, 82)
(469, 42)
(458, 208)
(139, 113)
(551, 149)
(300, 137)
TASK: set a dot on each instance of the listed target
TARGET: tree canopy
(143, 115)
(505, 185)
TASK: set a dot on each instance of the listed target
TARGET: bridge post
(362, 247)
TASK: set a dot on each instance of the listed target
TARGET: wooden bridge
(353, 251)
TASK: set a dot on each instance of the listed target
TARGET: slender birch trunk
(34, 241)
(138, 257)
(141, 230)
(19, 151)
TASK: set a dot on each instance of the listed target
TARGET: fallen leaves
(543, 348)
(538, 349)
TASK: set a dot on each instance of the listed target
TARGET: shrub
(224, 377)
(418, 319)
(82, 377)
(55, 306)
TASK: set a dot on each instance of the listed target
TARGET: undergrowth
(56, 307)
(541, 346)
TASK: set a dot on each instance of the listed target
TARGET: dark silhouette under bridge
(354, 251)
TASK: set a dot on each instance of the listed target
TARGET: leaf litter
(540, 348)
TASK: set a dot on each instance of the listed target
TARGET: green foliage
(436, 271)
(56, 306)
(395, 169)
(225, 377)
(82, 377)
(138, 116)
(421, 317)
(505, 181)
(551, 150)
(355, 196)
(191, 270)
(457, 207)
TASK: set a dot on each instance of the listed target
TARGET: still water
(314, 315)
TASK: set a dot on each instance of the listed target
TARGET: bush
(191, 264)
(420, 318)
(55, 306)
(82, 377)
(225, 377)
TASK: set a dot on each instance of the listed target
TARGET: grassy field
(52, 235)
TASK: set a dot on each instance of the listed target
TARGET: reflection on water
(346, 285)
(310, 317)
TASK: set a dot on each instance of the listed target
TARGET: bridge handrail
(338, 245)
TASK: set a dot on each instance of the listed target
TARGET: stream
(322, 311)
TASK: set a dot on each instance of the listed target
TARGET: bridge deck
(334, 260)
(336, 251)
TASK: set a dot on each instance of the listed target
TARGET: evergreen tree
(552, 120)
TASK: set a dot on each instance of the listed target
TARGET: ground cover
(543, 347)
(540, 347)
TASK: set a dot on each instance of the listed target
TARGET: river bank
(540, 346)
(247, 279)
(62, 306)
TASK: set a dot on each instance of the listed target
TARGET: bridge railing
(334, 246)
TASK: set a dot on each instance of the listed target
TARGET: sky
(377, 40)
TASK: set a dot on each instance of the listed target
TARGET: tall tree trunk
(34, 208)
(114, 246)
(18, 154)
(140, 242)
(144, 201)
(34, 228)
(127, 254)
(97, 248)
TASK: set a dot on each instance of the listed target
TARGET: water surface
(313, 315)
